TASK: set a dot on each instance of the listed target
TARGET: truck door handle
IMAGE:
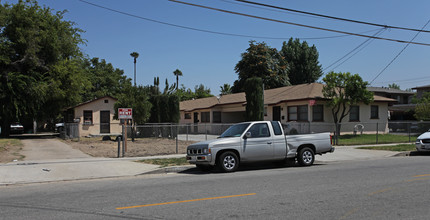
(269, 142)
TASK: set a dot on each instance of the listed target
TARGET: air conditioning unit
(87, 122)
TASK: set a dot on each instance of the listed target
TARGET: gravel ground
(140, 147)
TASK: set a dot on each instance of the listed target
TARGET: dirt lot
(140, 147)
(9, 150)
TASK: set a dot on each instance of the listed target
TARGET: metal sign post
(126, 114)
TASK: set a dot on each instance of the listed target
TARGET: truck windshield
(235, 130)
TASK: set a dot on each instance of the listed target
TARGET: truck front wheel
(228, 161)
(306, 156)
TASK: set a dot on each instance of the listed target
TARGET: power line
(203, 30)
(398, 54)
(356, 48)
(296, 24)
(332, 17)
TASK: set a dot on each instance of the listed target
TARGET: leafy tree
(135, 55)
(136, 98)
(262, 61)
(34, 45)
(393, 86)
(105, 79)
(225, 89)
(422, 109)
(177, 73)
(302, 62)
(201, 91)
(343, 90)
(254, 99)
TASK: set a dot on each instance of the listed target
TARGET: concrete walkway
(49, 160)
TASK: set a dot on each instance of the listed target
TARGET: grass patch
(166, 162)
(371, 139)
(400, 147)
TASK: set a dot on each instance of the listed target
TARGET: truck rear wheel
(306, 156)
(228, 161)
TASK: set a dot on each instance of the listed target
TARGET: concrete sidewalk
(70, 164)
(38, 171)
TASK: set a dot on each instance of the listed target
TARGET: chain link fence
(351, 132)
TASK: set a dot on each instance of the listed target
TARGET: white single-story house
(95, 117)
(301, 106)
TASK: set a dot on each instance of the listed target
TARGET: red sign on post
(125, 113)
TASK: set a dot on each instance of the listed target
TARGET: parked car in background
(423, 142)
(59, 127)
(16, 128)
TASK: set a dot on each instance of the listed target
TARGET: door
(260, 145)
(276, 113)
(104, 122)
(196, 121)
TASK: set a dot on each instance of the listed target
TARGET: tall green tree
(177, 73)
(135, 55)
(342, 91)
(302, 61)
(254, 99)
(104, 78)
(34, 44)
(262, 61)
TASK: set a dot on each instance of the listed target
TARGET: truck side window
(259, 130)
(276, 128)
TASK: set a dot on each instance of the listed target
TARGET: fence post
(377, 132)
(409, 131)
(123, 140)
(206, 132)
(119, 146)
(188, 126)
(177, 139)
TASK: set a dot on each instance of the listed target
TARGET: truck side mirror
(247, 135)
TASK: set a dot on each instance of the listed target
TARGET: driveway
(49, 149)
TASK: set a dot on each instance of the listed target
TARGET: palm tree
(135, 55)
(177, 73)
(225, 89)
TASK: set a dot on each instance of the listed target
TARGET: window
(374, 112)
(206, 117)
(106, 100)
(259, 130)
(88, 117)
(298, 113)
(354, 114)
(216, 117)
(187, 116)
(318, 113)
(276, 128)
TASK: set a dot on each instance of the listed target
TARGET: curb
(164, 170)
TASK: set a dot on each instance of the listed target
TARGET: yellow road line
(192, 200)
(349, 214)
(422, 175)
(424, 178)
(380, 191)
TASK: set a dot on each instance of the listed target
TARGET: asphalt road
(389, 188)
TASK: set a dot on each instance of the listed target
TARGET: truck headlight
(418, 141)
(206, 151)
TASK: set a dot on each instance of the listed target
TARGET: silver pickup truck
(257, 141)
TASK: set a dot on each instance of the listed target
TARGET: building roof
(389, 90)
(271, 97)
(84, 103)
(422, 87)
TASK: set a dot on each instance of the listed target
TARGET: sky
(206, 44)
